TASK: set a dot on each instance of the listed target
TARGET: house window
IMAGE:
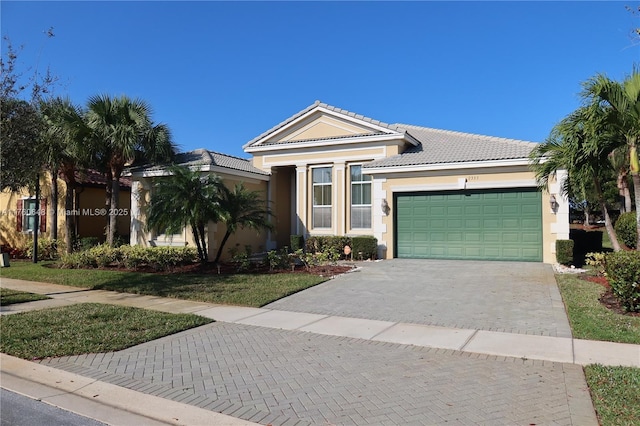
(360, 199)
(27, 209)
(322, 197)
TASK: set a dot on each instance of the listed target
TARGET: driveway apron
(514, 297)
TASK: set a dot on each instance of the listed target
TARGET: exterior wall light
(385, 207)
(553, 203)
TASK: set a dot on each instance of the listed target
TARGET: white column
(136, 223)
(301, 199)
(379, 227)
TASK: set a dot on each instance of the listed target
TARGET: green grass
(615, 392)
(238, 289)
(9, 297)
(589, 318)
(87, 328)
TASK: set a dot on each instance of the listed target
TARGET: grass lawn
(589, 318)
(237, 289)
(87, 328)
(9, 297)
(615, 392)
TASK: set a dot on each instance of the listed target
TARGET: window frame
(26, 216)
(317, 207)
(361, 183)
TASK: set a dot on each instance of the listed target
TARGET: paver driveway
(286, 377)
(515, 297)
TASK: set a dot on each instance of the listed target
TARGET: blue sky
(221, 73)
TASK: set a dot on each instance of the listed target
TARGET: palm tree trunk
(203, 243)
(196, 237)
(224, 241)
(607, 219)
(113, 209)
(70, 222)
(108, 198)
(54, 205)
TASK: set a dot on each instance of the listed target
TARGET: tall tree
(185, 198)
(579, 144)
(242, 209)
(624, 99)
(63, 143)
(122, 131)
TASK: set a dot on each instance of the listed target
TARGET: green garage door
(495, 225)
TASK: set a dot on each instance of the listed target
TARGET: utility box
(4, 260)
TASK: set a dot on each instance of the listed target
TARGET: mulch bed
(608, 299)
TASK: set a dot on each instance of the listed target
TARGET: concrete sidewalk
(525, 346)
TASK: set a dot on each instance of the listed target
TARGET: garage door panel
(496, 224)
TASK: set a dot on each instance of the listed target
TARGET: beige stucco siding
(243, 239)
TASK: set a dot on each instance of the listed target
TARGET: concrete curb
(101, 401)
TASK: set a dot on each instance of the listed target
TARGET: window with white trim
(29, 212)
(322, 197)
(360, 199)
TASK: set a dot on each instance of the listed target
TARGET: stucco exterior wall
(140, 235)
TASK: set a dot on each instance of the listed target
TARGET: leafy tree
(579, 144)
(186, 197)
(20, 155)
(121, 132)
(624, 100)
(242, 209)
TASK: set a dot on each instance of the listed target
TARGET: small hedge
(564, 252)
(296, 242)
(627, 229)
(362, 247)
(131, 257)
(367, 245)
(623, 272)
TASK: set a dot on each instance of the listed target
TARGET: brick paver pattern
(288, 377)
(512, 297)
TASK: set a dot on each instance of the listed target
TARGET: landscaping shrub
(364, 247)
(327, 244)
(48, 249)
(86, 243)
(627, 229)
(564, 251)
(296, 242)
(132, 257)
(623, 272)
(598, 261)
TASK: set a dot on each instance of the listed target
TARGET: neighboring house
(422, 192)
(18, 210)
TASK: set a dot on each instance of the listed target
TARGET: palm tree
(122, 130)
(619, 159)
(579, 144)
(624, 99)
(62, 138)
(242, 209)
(186, 197)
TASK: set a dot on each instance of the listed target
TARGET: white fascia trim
(272, 160)
(522, 183)
(446, 166)
(326, 142)
(205, 168)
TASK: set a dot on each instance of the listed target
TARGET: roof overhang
(203, 168)
(446, 166)
(329, 142)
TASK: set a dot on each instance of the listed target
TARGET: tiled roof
(444, 146)
(202, 156)
(309, 108)
(94, 177)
